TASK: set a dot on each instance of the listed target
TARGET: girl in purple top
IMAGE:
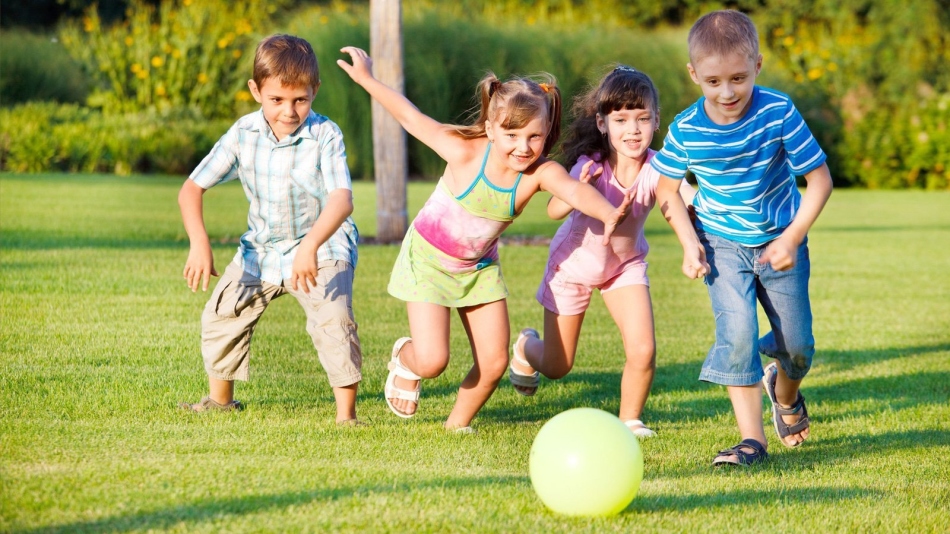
(614, 127)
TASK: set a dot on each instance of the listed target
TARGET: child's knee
(429, 368)
(641, 355)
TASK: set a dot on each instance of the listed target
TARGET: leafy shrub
(43, 137)
(38, 68)
(184, 54)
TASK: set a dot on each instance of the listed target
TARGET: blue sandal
(782, 428)
(739, 454)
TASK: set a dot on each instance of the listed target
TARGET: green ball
(586, 462)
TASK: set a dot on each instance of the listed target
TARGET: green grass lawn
(99, 339)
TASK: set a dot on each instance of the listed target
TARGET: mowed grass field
(99, 340)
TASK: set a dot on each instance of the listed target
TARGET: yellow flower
(129, 41)
(222, 43)
(236, 53)
(242, 27)
(142, 74)
(243, 96)
(157, 61)
(832, 67)
(778, 32)
(788, 41)
(202, 78)
(160, 90)
(815, 73)
(176, 53)
(88, 24)
(186, 3)
(324, 19)
(135, 67)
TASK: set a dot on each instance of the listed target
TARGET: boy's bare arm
(674, 211)
(199, 267)
(339, 206)
(781, 252)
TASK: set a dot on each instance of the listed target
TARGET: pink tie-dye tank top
(466, 228)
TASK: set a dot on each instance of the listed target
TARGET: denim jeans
(736, 282)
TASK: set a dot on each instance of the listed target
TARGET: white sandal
(517, 378)
(396, 368)
(639, 429)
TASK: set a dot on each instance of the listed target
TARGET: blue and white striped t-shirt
(286, 183)
(746, 170)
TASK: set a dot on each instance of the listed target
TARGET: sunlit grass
(99, 339)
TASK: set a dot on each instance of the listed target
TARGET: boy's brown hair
(721, 33)
(288, 59)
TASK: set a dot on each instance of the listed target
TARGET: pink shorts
(560, 293)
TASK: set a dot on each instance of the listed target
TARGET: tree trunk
(389, 139)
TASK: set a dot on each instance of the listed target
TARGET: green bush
(43, 137)
(182, 54)
(38, 68)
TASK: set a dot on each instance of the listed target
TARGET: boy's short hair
(721, 33)
(288, 59)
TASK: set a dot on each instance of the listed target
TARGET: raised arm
(419, 125)
(199, 267)
(673, 208)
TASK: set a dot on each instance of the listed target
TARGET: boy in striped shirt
(745, 144)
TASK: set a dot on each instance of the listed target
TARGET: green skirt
(423, 273)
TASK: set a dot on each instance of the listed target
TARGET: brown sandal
(206, 404)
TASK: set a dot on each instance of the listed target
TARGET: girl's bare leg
(632, 310)
(488, 332)
(427, 355)
(553, 355)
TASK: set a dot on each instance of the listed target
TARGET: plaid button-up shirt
(286, 183)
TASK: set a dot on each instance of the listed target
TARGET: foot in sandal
(639, 429)
(522, 376)
(791, 422)
(402, 385)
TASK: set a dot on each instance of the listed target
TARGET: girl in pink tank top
(614, 128)
(448, 258)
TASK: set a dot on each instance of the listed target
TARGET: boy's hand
(780, 253)
(304, 271)
(694, 262)
(199, 268)
(362, 67)
(617, 216)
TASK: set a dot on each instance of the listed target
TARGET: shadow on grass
(219, 509)
(739, 499)
(882, 394)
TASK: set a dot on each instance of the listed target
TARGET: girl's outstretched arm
(419, 125)
(583, 197)
(557, 208)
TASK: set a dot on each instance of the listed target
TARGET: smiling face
(285, 107)
(727, 82)
(629, 132)
(519, 147)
